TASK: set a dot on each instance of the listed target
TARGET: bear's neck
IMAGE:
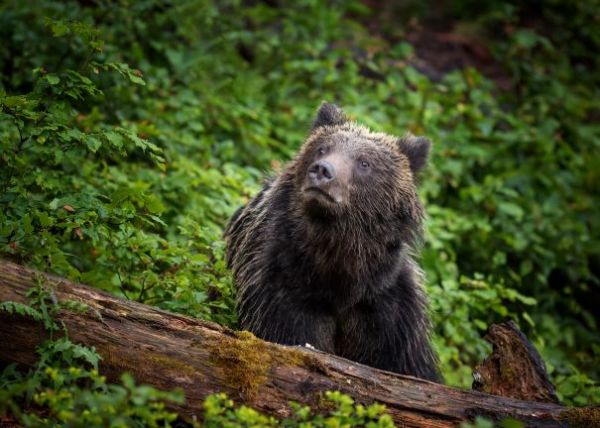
(347, 248)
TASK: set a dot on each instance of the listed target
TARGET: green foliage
(21, 309)
(42, 305)
(64, 387)
(130, 132)
(222, 412)
(486, 423)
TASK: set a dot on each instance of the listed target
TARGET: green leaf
(53, 79)
(92, 143)
(27, 226)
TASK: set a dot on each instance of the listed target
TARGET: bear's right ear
(416, 149)
(329, 115)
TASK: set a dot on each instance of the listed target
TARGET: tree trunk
(167, 350)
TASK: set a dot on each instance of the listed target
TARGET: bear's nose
(321, 172)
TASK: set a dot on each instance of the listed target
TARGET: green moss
(173, 364)
(582, 417)
(245, 360)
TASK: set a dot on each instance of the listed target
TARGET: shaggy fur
(339, 274)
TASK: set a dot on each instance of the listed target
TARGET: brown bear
(323, 255)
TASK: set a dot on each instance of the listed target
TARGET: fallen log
(167, 350)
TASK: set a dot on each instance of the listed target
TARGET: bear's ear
(329, 115)
(416, 149)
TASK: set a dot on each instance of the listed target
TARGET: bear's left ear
(329, 115)
(416, 149)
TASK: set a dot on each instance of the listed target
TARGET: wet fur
(348, 286)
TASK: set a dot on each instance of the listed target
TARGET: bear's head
(347, 174)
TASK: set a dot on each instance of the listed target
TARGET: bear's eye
(363, 164)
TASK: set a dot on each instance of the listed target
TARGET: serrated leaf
(92, 143)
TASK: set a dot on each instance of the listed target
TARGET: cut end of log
(514, 368)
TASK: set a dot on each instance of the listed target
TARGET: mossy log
(168, 350)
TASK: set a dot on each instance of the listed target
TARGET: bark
(168, 350)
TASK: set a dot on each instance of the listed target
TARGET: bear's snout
(320, 173)
(327, 179)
